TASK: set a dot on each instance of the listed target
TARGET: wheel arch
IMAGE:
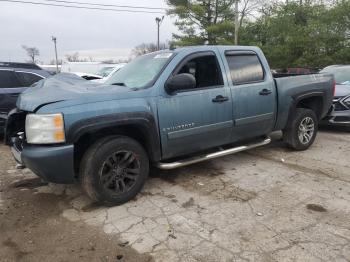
(314, 102)
(139, 126)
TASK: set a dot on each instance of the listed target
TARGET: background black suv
(14, 79)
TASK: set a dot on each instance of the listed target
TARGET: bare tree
(53, 62)
(144, 48)
(32, 52)
(73, 57)
(248, 9)
(108, 61)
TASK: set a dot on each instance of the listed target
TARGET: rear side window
(8, 79)
(28, 78)
(245, 68)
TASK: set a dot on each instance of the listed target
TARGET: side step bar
(201, 158)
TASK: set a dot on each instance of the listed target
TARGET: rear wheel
(302, 129)
(114, 170)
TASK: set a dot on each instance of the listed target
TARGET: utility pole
(236, 22)
(159, 22)
(54, 39)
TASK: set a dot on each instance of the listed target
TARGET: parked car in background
(169, 109)
(52, 69)
(340, 113)
(85, 67)
(102, 75)
(107, 72)
(88, 70)
(87, 76)
(14, 79)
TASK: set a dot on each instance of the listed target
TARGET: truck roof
(212, 47)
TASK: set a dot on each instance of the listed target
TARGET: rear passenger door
(253, 94)
(10, 88)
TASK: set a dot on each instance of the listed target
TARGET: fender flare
(144, 121)
(297, 98)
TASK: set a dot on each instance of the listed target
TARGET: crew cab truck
(166, 109)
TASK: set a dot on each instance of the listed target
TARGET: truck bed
(291, 88)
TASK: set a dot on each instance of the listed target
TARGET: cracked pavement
(267, 204)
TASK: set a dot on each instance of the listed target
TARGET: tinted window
(245, 68)
(28, 78)
(8, 79)
(205, 69)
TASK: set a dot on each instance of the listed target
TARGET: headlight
(45, 129)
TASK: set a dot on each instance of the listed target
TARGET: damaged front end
(53, 163)
(15, 132)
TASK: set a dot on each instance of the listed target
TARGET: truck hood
(342, 90)
(63, 87)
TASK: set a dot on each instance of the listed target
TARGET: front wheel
(302, 129)
(114, 170)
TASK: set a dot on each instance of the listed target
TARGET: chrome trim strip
(253, 119)
(332, 121)
(200, 130)
(28, 72)
(226, 152)
(342, 101)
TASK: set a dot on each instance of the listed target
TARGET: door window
(205, 69)
(8, 79)
(28, 78)
(245, 68)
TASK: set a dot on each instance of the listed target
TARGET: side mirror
(180, 82)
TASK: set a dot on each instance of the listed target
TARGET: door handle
(220, 99)
(265, 92)
(14, 95)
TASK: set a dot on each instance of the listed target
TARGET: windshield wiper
(118, 84)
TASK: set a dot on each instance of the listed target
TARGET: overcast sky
(106, 33)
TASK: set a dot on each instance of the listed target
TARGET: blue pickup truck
(166, 109)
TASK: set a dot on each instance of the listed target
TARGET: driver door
(199, 118)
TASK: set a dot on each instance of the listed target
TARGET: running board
(197, 159)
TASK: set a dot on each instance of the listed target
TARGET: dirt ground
(267, 204)
(33, 229)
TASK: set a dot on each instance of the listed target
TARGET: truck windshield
(142, 71)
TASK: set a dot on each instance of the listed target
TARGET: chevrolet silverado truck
(166, 109)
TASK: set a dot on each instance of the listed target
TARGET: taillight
(334, 84)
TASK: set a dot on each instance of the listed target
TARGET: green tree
(297, 34)
(202, 21)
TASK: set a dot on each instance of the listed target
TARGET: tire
(302, 129)
(114, 170)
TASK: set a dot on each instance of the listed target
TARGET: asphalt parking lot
(267, 204)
